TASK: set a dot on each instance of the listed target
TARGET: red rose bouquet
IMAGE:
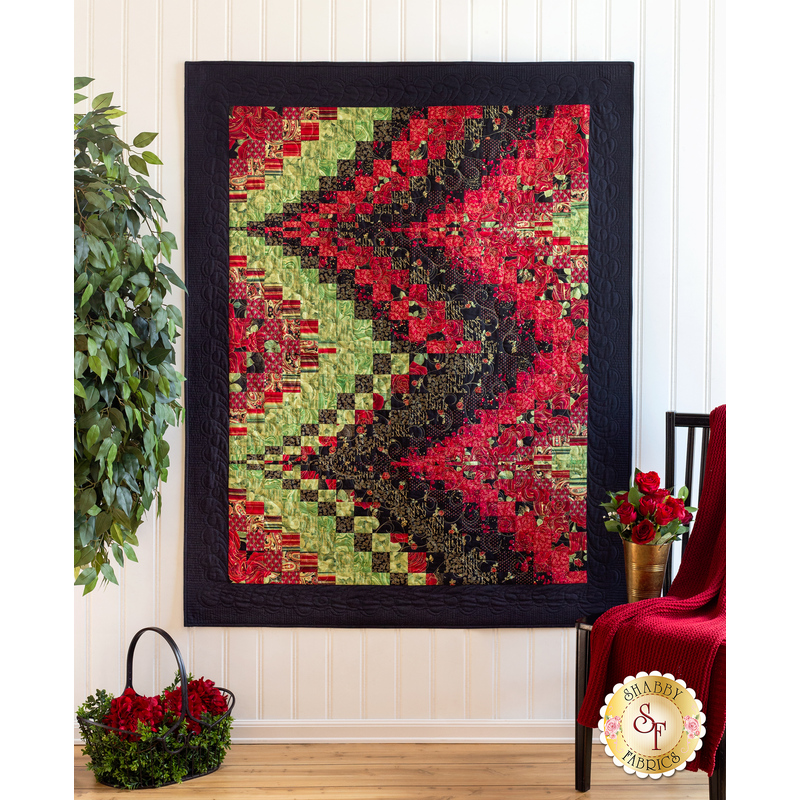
(647, 514)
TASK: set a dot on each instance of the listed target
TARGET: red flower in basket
(203, 697)
(646, 513)
(129, 709)
(212, 698)
(138, 742)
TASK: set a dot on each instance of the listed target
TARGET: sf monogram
(649, 724)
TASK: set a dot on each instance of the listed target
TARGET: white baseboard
(501, 731)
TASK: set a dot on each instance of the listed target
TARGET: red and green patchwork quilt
(408, 345)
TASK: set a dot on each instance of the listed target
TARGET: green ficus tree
(127, 389)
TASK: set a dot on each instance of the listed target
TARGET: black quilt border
(210, 89)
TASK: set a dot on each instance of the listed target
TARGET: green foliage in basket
(139, 760)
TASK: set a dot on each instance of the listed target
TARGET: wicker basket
(173, 749)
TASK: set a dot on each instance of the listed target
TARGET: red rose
(643, 533)
(659, 495)
(627, 513)
(647, 482)
(213, 700)
(687, 517)
(173, 702)
(664, 514)
(204, 697)
(129, 709)
(676, 504)
(647, 506)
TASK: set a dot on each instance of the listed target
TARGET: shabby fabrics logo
(652, 725)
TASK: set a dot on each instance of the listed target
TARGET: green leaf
(80, 282)
(79, 365)
(159, 209)
(96, 200)
(95, 226)
(144, 139)
(92, 396)
(139, 164)
(79, 390)
(116, 533)
(102, 523)
(92, 435)
(87, 500)
(150, 244)
(79, 83)
(102, 100)
(124, 499)
(86, 576)
(151, 158)
(108, 573)
(112, 453)
(129, 551)
(172, 276)
(169, 238)
(157, 355)
(117, 553)
(104, 448)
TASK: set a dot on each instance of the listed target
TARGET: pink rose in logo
(612, 728)
(692, 727)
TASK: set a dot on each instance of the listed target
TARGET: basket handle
(181, 669)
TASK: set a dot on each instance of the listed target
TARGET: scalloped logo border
(624, 700)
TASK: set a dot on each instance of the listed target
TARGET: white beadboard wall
(419, 685)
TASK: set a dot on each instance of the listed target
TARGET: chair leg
(583, 735)
(716, 782)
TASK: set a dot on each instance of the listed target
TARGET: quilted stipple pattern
(408, 344)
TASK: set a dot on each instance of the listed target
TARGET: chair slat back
(691, 422)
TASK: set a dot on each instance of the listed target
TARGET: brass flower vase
(644, 569)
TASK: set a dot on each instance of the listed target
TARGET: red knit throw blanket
(684, 632)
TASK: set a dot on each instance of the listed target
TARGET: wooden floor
(406, 772)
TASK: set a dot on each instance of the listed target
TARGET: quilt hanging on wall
(408, 353)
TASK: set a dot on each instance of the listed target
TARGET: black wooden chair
(583, 627)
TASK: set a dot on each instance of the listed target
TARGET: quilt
(407, 342)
